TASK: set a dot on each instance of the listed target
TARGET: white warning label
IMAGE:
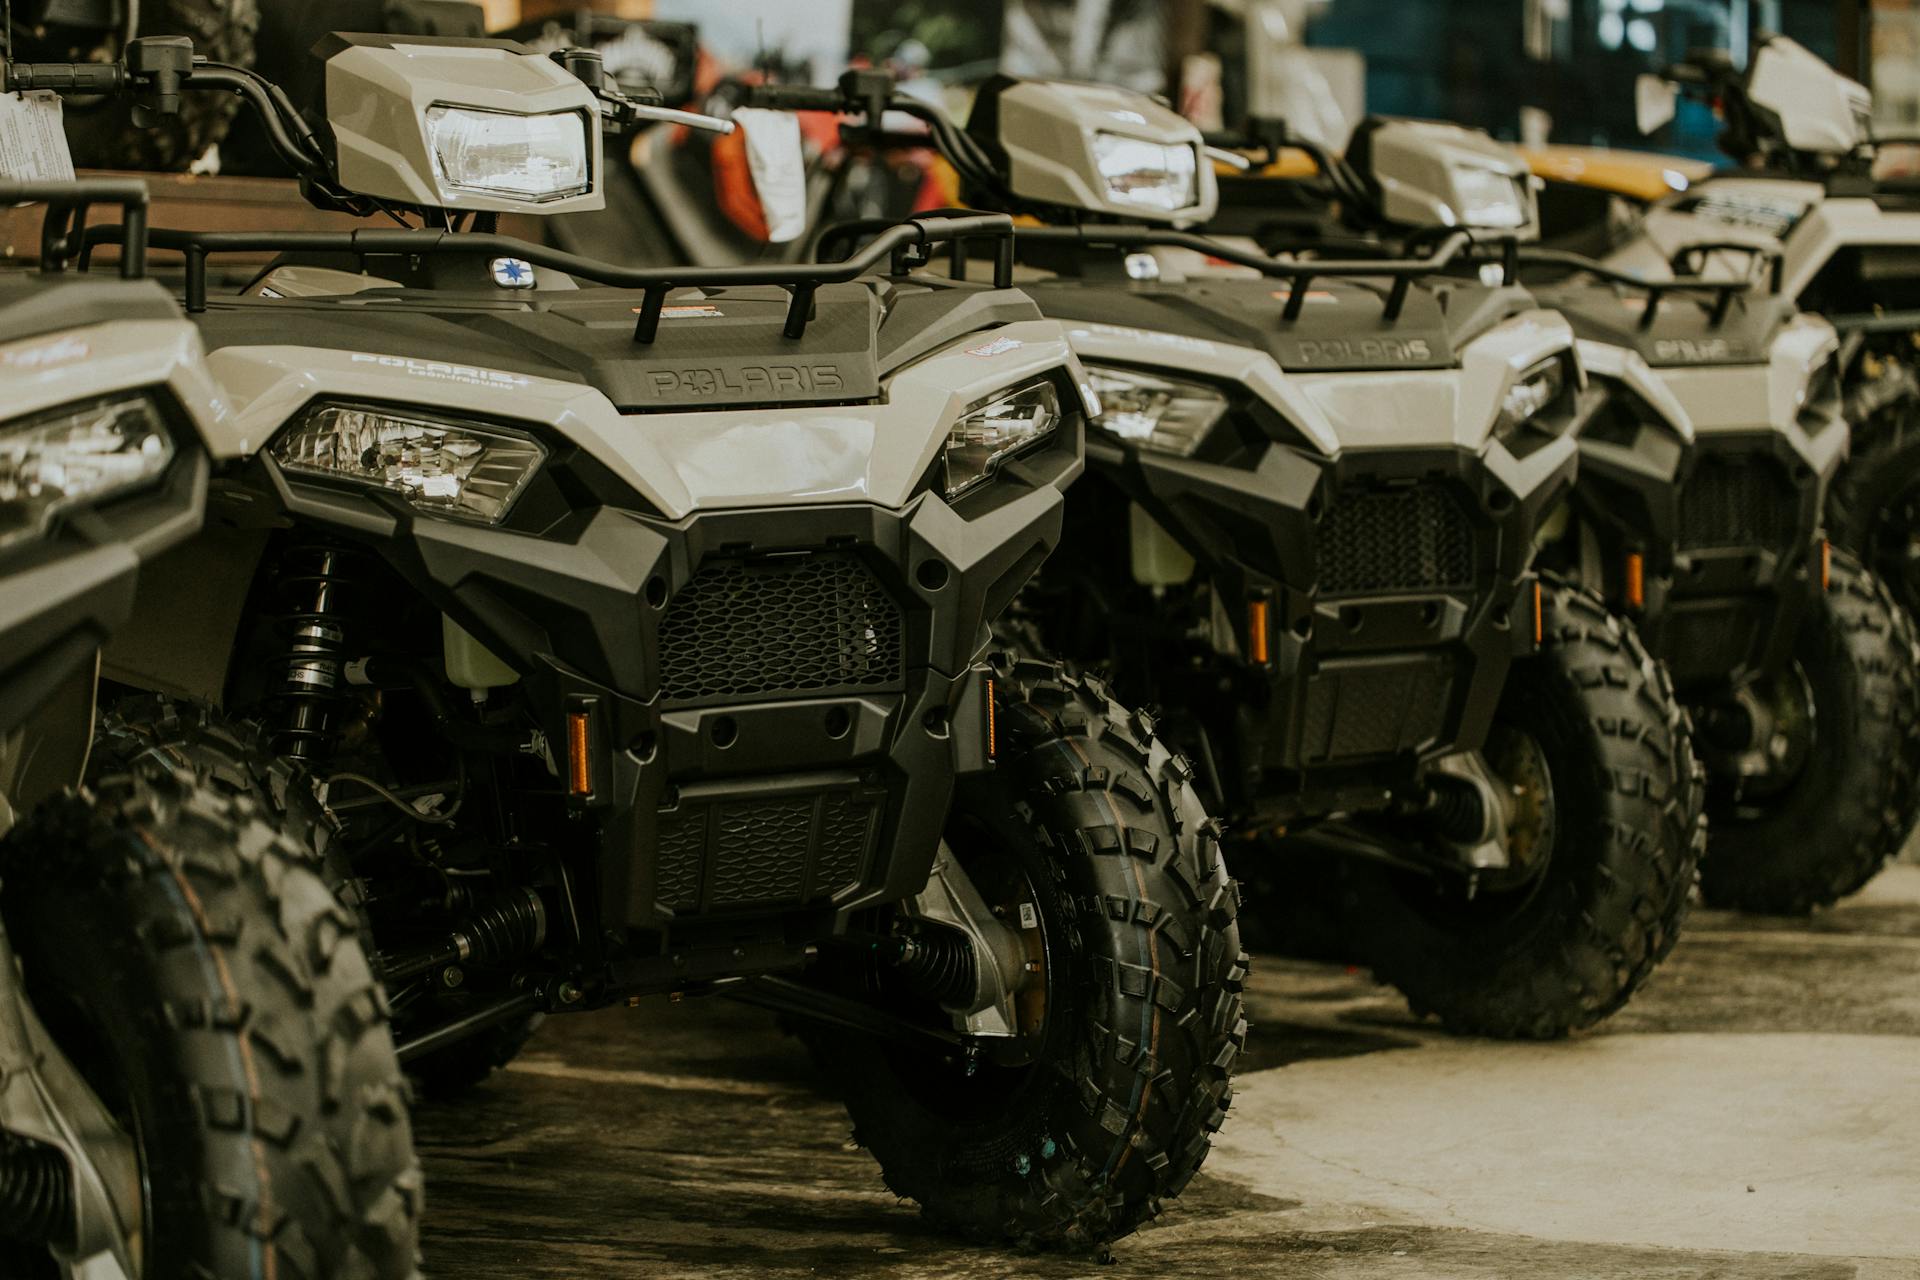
(33, 146)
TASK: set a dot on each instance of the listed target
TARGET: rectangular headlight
(55, 461)
(447, 468)
(989, 435)
(1152, 175)
(513, 157)
(1167, 415)
(1489, 198)
(1531, 395)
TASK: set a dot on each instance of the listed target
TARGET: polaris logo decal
(1697, 350)
(444, 372)
(747, 380)
(999, 346)
(1366, 350)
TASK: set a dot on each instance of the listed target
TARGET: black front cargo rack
(68, 204)
(902, 246)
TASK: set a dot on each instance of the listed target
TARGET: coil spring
(939, 964)
(313, 585)
(36, 1195)
(1457, 808)
(507, 929)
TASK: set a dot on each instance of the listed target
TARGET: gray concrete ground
(1754, 1113)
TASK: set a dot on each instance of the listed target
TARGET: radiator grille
(1374, 541)
(1738, 500)
(811, 624)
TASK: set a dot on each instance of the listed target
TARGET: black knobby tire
(186, 955)
(235, 757)
(103, 135)
(1851, 808)
(1571, 945)
(1868, 502)
(1145, 997)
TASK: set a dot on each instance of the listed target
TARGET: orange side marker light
(579, 771)
(1636, 581)
(1257, 632)
(993, 728)
(1539, 616)
(1826, 565)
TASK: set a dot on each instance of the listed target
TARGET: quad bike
(103, 131)
(1849, 244)
(1327, 492)
(1699, 513)
(633, 627)
(196, 1073)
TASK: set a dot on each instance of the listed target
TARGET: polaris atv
(1850, 249)
(633, 628)
(1699, 513)
(1328, 492)
(195, 1068)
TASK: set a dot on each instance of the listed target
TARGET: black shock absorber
(939, 964)
(36, 1193)
(313, 586)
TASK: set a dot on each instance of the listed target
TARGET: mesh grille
(1738, 500)
(1397, 540)
(754, 851)
(809, 625)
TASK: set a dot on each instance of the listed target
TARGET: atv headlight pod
(535, 158)
(457, 469)
(59, 459)
(987, 436)
(1153, 175)
(1532, 393)
(1166, 415)
(1489, 198)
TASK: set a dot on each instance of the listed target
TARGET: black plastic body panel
(579, 611)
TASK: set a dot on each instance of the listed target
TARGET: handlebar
(796, 97)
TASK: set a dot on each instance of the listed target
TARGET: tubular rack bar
(901, 246)
(1776, 258)
(1298, 272)
(69, 203)
(1724, 291)
(1876, 322)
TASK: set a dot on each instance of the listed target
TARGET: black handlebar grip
(65, 77)
(796, 97)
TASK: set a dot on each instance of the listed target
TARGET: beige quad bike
(626, 631)
(1308, 534)
(1805, 186)
(196, 1072)
(1701, 512)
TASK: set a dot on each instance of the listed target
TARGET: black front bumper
(63, 596)
(1396, 590)
(1729, 536)
(775, 702)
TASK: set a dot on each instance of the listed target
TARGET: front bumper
(771, 704)
(1390, 590)
(1729, 538)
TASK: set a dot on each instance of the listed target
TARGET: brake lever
(639, 113)
(1232, 159)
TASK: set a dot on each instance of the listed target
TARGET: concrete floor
(1755, 1113)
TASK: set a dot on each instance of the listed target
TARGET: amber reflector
(1636, 581)
(1539, 619)
(1257, 632)
(1826, 565)
(993, 735)
(579, 774)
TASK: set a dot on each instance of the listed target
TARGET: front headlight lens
(64, 458)
(448, 468)
(1489, 198)
(1152, 175)
(1167, 415)
(991, 434)
(513, 157)
(1531, 394)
